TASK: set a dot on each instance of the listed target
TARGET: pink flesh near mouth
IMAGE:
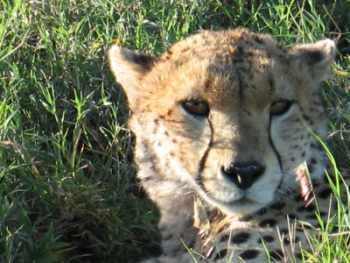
(306, 190)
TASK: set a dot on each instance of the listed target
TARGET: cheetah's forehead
(223, 67)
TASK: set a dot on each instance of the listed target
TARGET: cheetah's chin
(244, 205)
(234, 201)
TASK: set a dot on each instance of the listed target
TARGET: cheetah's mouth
(241, 200)
(231, 199)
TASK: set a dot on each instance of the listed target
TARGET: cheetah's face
(229, 113)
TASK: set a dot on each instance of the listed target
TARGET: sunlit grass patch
(67, 185)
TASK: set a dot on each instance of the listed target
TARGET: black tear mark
(269, 222)
(271, 82)
(238, 60)
(204, 158)
(279, 158)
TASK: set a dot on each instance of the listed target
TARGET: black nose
(243, 174)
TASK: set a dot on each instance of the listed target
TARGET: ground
(67, 191)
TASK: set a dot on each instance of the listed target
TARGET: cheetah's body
(227, 117)
(277, 233)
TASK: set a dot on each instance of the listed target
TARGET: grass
(67, 185)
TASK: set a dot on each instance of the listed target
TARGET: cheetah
(227, 125)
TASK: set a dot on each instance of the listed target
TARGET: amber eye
(197, 108)
(281, 106)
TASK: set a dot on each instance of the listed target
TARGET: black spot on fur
(287, 241)
(249, 53)
(313, 56)
(284, 231)
(270, 222)
(240, 238)
(309, 208)
(311, 168)
(141, 59)
(324, 193)
(221, 254)
(298, 198)
(238, 56)
(249, 254)
(299, 256)
(224, 238)
(169, 112)
(258, 39)
(292, 216)
(335, 229)
(261, 212)
(316, 185)
(323, 214)
(169, 52)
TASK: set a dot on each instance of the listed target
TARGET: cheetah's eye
(194, 107)
(281, 106)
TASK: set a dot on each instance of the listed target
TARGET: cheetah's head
(230, 113)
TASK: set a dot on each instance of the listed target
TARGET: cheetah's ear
(315, 58)
(128, 68)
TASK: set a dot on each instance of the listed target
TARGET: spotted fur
(184, 155)
(276, 233)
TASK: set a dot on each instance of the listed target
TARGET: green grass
(67, 185)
